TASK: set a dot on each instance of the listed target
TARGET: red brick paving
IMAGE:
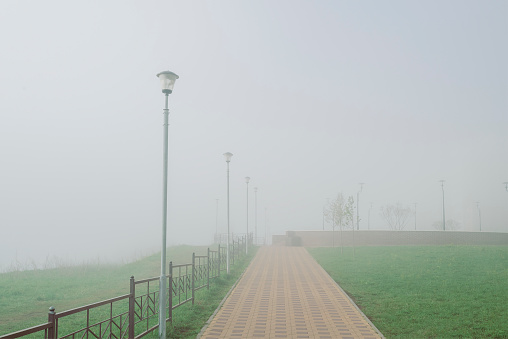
(286, 294)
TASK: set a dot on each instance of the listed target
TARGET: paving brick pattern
(285, 294)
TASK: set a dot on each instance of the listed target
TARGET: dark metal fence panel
(114, 325)
(182, 284)
(223, 257)
(137, 312)
(145, 308)
(31, 331)
(170, 292)
(200, 271)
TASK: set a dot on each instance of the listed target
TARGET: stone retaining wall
(388, 238)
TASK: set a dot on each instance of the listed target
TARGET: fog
(311, 98)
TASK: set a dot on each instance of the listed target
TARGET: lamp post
(444, 222)
(255, 215)
(227, 156)
(358, 207)
(217, 238)
(479, 214)
(167, 80)
(368, 225)
(323, 217)
(247, 179)
(415, 216)
(506, 185)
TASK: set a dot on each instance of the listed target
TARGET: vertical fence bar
(51, 319)
(171, 291)
(208, 270)
(87, 322)
(193, 270)
(132, 298)
(111, 322)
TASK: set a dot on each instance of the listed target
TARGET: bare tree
(396, 216)
(334, 213)
(349, 211)
(340, 213)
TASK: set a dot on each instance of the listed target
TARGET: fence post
(218, 265)
(131, 307)
(208, 270)
(170, 302)
(193, 269)
(52, 320)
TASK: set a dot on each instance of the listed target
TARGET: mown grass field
(26, 296)
(426, 291)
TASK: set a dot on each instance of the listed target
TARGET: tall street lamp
(217, 238)
(324, 217)
(167, 80)
(368, 224)
(255, 215)
(415, 216)
(358, 207)
(247, 179)
(444, 222)
(227, 156)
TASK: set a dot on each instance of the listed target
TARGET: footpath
(285, 293)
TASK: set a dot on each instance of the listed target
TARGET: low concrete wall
(388, 238)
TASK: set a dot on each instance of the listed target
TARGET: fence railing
(136, 314)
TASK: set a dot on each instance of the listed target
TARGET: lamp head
(228, 156)
(167, 80)
(247, 179)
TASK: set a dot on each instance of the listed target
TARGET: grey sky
(310, 97)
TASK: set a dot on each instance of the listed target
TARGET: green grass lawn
(26, 296)
(426, 291)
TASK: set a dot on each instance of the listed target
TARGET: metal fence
(136, 314)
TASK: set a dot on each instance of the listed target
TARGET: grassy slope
(26, 296)
(428, 291)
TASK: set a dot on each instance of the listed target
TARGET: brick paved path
(285, 294)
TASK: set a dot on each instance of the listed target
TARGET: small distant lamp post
(415, 216)
(479, 214)
(444, 223)
(506, 185)
(227, 156)
(358, 206)
(255, 215)
(368, 225)
(247, 179)
(324, 217)
(167, 80)
(217, 238)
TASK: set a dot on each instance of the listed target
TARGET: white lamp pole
(217, 221)
(479, 214)
(415, 216)
(255, 215)
(444, 222)
(167, 80)
(358, 206)
(227, 156)
(247, 179)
